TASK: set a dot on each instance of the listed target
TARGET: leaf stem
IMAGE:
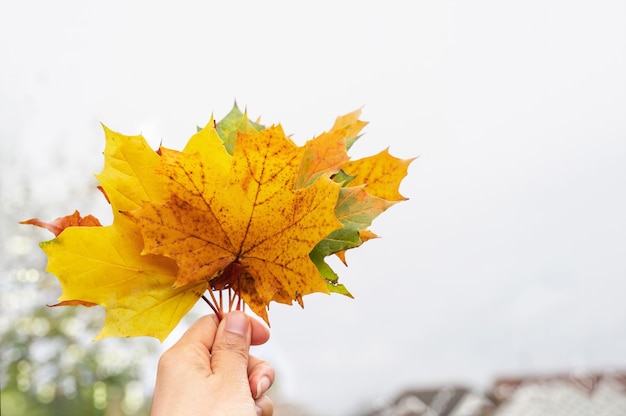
(218, 305)
(231, 299)
(218, 313)
(239, 302)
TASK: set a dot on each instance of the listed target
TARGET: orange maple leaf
(61, 223)
(246, 228)
(328, 152)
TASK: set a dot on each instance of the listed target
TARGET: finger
(202, 331)
(260, 376)
(231, 346)
(260, 332)
(264, 406)
(195, 345)
(191, 351)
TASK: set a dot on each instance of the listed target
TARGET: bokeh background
(508, 258)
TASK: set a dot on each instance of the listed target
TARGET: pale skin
(209, 371)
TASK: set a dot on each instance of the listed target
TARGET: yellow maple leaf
(104, 265)
(381, 174)
(248, 229)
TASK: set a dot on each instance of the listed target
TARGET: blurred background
(507, 263)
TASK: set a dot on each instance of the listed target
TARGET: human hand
(209, 370)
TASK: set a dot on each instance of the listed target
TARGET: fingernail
(237, 323)
(259, 411)
(262, 386)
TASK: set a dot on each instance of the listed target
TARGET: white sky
(509, 257)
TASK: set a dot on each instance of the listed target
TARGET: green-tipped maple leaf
(241, 208)
(356, 209)
(235, 122)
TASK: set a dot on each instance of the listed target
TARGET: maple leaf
(364, 235)
(371, 187)
(241, 208)
(104, 265)
(355, 209)
(235, 122)
(251, 216)
(352, 125)
(61, 223)
(327, 153)
(381, 174)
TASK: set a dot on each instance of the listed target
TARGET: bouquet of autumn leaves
(241, 212)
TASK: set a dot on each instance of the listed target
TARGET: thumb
(231, 346)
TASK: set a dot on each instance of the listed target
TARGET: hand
(210, 372)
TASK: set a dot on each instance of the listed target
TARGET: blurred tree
(50, 367)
